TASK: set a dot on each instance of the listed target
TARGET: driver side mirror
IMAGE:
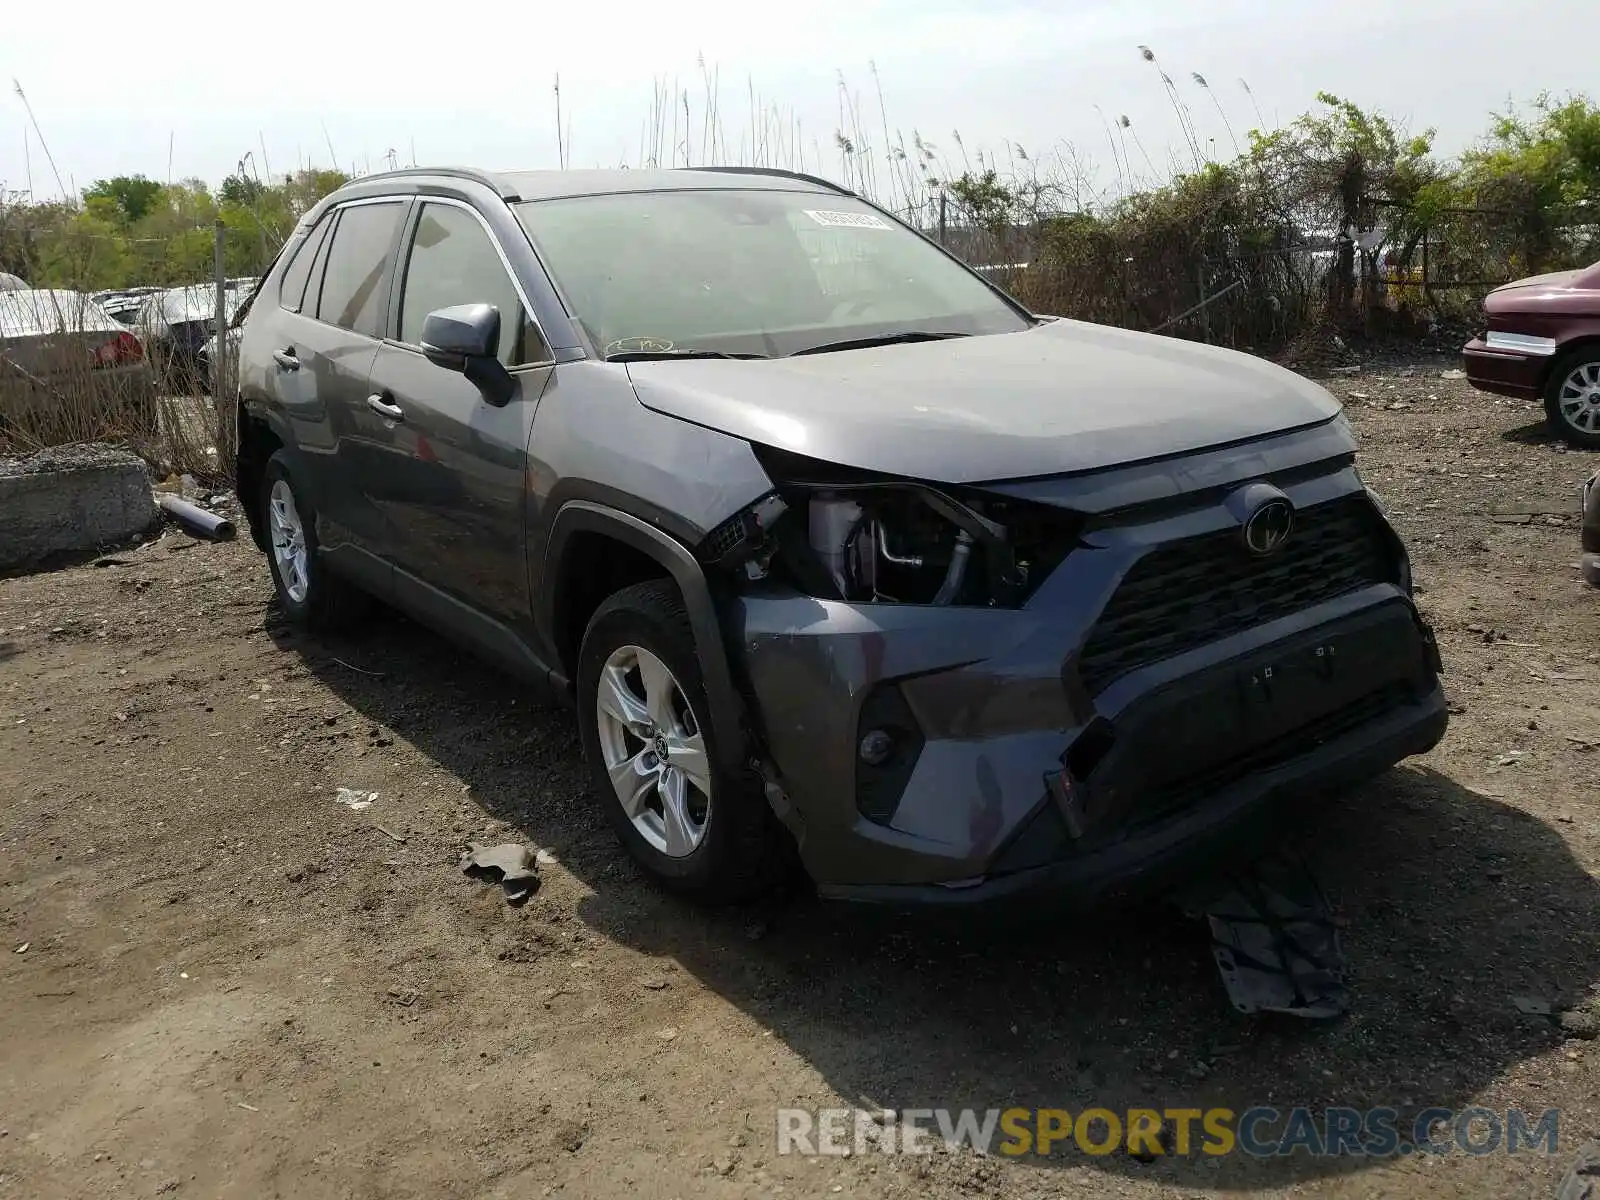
(466, 338)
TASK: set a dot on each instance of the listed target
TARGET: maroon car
(1543, 342)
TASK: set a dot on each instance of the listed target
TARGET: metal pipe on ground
(197, 520)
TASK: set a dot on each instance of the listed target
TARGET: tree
(304, 188)
(133, 195)
(1345, 171)
(1551, 155)
(241, 190)
(988, 203)
(1538, 173)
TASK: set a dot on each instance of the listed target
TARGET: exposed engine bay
(853, 541)
(835, 533)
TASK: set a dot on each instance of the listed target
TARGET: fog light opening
(877, 747)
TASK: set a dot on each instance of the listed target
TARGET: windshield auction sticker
(846, 220)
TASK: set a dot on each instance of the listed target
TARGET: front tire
(1572, 398)
(310, 595)
(695, 827)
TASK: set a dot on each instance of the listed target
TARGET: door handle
(286, 358)
(383, 408)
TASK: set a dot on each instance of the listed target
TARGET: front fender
(587, 516)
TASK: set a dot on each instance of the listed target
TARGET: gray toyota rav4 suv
(836, 548)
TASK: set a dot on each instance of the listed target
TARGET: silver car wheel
(1579, 398)
(654, 752)
(288, 536)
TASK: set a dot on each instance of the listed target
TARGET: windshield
(750, 272)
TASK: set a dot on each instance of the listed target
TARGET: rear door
(322, 354)
(454, 494)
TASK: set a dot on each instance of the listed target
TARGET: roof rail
(778, 172)
(488, 178)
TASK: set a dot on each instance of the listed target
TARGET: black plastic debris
(513, 866)
(1274, 939)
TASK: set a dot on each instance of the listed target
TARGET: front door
(453, 492)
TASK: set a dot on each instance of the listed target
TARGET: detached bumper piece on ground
(1582, 1180)
(1274, 938)
(514, 867)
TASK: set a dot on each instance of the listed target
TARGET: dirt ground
(235, 986)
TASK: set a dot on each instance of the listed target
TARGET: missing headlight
(890, 546)
(850, 535)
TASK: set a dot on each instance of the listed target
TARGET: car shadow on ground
(1536, 433)
(1454, 903)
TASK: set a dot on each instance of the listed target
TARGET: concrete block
(71, 498)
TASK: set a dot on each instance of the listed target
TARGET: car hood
(1061, 397)
(1549, 281)
(1586, 279)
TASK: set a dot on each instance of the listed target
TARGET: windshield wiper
(883, 339)
(627, 356)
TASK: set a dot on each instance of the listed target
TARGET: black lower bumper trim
(1236, 821)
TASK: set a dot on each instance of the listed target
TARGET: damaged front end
(838, 533)
(967, 692)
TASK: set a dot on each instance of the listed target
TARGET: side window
(293, 289)
(358, 264)
(454, 261)
(319, 268)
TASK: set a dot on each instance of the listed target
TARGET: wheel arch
(1589, 340)
(580, 518)
(261, 433)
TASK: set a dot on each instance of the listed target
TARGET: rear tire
(1572, 397)
(311, 596)
(694, 827)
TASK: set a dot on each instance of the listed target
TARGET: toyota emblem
(1269, 526)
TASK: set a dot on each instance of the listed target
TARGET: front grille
(1201, 589)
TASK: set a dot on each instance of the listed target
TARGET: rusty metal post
(1427, 282)
(221, 328)
(223, 413)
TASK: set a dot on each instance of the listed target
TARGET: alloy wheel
(288, 537)
(654, 752)
(1579, 398)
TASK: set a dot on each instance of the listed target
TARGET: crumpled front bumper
(1183, 756)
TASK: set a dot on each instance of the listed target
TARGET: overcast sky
(114, 87)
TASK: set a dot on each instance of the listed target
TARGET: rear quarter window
(292, 291)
